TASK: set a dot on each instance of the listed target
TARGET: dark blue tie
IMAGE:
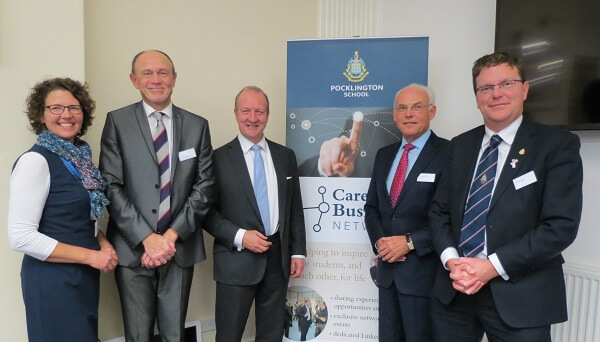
(472, 234)
(260, 188)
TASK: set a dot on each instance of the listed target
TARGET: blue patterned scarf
(80, 155)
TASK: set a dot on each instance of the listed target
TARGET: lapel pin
(483, 179)
(513, 163)
(522, 152)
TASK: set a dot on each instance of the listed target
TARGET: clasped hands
(392, 248)
(470, 274)
(105, 259)
(159, 249)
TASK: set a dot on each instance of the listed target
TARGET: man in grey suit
(396, 209)
(258, 224)
(157, 203)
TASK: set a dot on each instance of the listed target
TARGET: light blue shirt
(413, 154)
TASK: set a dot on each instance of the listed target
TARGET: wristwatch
(409, 242)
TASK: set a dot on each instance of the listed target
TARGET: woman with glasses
(56, 195)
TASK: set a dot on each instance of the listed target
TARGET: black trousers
(466, 318)
(233, 302)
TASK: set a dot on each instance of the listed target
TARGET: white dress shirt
(508, 136)
(272, 188)
(167, 122)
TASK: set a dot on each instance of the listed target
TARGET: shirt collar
(247, 144)
(168, 110)
(419, 142)
(507, 134)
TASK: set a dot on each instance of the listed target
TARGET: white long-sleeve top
(29, 187)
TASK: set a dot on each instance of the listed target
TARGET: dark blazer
(235, 207)
(527, 228)
(414, 276)
(129, 165)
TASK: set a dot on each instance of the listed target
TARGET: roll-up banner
(340, 95)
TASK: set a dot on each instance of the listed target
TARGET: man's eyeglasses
(416, 108)
(59, 109)
(486, 89)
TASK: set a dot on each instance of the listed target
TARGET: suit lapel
(142, 120)
(422, 161)
(386, 168)
(177, 124)
(279, 164)
(240, 168)
(466, 163)
(524, 139)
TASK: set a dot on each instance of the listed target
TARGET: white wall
(461, 31)
(38, 40)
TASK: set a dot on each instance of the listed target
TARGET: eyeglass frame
(63, 109)
(419, 108)
(490, 87)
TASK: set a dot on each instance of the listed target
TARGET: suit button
(154, 211)
(157, 186)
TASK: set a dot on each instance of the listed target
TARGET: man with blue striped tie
(157, 161)
(508, 203)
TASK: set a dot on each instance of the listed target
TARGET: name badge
(426, 177)
(187, 154)
(524, 180)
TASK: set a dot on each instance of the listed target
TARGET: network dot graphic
(323, 208)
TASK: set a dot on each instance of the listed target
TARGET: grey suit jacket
(128, 164)
(236, 207)
(527, 227)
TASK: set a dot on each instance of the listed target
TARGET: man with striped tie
(157, 161)
(508, 203)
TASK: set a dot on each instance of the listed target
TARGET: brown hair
(494, 59)
(36, 102)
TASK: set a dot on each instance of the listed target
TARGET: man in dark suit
(502, 271)
(396, 219)
(155, 218)
(304, 318)
(257, 222)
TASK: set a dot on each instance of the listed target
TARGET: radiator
(583, 302)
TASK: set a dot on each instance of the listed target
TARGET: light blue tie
(260, 188)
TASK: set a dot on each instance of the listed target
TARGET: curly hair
(36, 102)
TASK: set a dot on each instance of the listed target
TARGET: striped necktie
(472, 234)
(161, 146)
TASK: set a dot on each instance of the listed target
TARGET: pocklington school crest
(356, 70)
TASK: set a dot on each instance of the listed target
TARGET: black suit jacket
(128, 164)
(235, 207)
(304, 323)
(414, 276)
(527, 228)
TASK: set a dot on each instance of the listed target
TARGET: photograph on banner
(340, 96)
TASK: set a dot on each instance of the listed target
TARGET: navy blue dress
(61, 300)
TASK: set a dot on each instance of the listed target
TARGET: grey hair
(428, 90)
